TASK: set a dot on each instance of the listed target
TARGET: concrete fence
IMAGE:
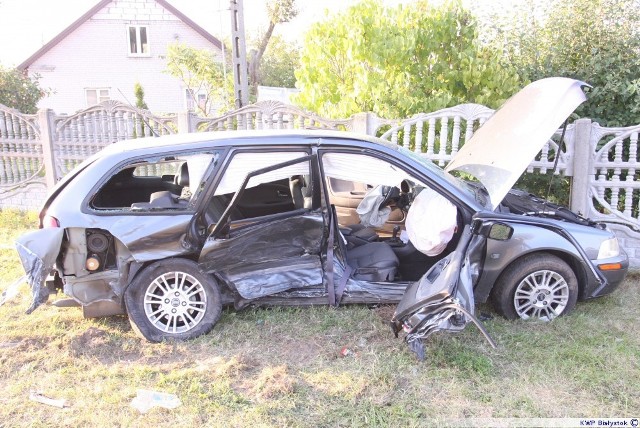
(603, 163)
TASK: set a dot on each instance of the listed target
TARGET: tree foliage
(279, 11)
(138, 91)
(279, 63)
(202, 75)
(20, 91)
(399, 61)
(596, 41)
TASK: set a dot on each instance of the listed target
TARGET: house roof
(95, 9)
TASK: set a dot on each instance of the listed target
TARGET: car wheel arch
(135, 268)
(536, 266)
(208, 290)
(567, 257)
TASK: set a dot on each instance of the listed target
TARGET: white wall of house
(96, 57)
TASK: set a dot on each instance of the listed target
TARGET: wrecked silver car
(169, 230)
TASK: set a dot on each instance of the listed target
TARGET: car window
(243, 163)
(161, 184)
(277, 191)
(361, 168)
(358, 173)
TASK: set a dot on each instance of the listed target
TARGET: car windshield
(472, 188)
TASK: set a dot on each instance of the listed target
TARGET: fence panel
(439, 135)
(270, 115)
(89, 131)
(20, 149)
(615, 178)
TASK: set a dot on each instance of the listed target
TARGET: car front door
(443, 300)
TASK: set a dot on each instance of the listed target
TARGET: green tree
(279, 11)
(203, 76)
(399, 61)
(19, 91)
(138, 91)
(279, 63)
(596, 41)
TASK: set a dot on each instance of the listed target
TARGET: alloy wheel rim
(541, 295)
(175, 302)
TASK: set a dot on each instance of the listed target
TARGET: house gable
(124, 10)
(111, 48)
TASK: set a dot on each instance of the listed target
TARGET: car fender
(526, 239)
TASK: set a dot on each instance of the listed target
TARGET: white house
(107, 50)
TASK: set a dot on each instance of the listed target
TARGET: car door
(443, 298)
(267, 253)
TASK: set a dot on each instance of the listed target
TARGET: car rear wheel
(536, 287)
(173, 299)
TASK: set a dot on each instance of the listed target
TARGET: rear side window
(277, 191)
(166, 184)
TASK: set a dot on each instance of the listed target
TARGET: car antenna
(555, 164)
(155, 134)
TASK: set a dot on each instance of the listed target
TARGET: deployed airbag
(371, 215)
(431, 222)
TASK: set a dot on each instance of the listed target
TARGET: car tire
(173, 300)
(537, 287)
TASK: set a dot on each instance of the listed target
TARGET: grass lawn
(285, 366)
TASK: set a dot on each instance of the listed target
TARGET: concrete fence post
(583, 152)
(47, 138)
(364, 123)
(185, 122)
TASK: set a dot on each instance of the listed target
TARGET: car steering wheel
(390, 193)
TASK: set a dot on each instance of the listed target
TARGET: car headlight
(609, 248)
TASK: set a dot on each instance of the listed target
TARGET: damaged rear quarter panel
(38, 251)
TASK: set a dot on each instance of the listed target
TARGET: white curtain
(362, 169)
(244, 163)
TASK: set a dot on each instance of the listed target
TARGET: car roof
(254, 137)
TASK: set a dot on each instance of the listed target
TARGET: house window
(138, 42)
(96, 96)
(196, 101)
(190, 99)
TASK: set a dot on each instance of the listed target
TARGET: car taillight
(50, 221)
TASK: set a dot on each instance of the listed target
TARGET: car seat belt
(329, 267)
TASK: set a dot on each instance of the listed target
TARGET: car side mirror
(500, 232)
(492, 229)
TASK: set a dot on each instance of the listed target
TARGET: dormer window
(138, 41)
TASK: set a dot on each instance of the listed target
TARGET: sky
(25, 25)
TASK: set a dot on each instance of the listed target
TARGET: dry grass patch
(273, 382)
(340, 384)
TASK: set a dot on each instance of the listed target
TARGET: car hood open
(500, 151)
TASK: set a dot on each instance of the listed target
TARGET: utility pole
(239, 54)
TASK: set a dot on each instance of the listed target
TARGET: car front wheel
(537, 287)
(173, 299)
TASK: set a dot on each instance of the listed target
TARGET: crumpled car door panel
(269, 257)
(443, 298)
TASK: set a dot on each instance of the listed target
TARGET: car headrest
(183, 175)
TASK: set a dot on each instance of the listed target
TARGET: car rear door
(267, 253)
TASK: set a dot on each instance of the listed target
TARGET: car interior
(167, 184)
(380, 253)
